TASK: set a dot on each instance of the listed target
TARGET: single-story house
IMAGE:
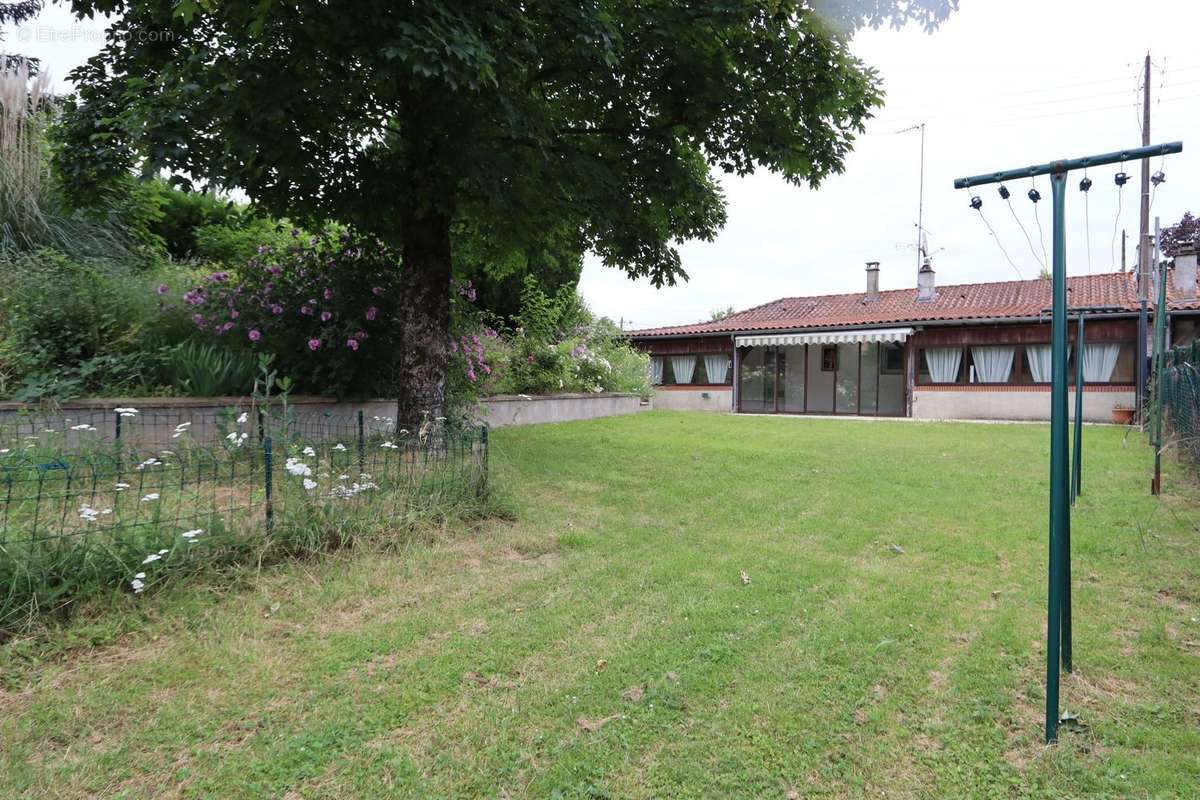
(971, 351)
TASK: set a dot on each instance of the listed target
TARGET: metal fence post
(117, 434)
(483, 441)
(362, 444)
(267, 481)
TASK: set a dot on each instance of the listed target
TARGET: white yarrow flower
(241, 420)
(192, 534)
(150, 497)
(310, 484)
(150, 559)
(126, 412)
(297, 467)
(308, 451)
(137, 585)
(339, 446)
(122, 487)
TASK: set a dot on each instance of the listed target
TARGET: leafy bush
(71, 326)
(324, 306)
(236, 243)
(559, 346)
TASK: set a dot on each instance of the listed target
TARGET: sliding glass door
(859, 378)
(756, 381)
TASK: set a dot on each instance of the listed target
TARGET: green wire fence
(1181, 400)
(121, 498)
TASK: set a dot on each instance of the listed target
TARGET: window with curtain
(656, 370)
(1038, 356)
(943, 363)
(683, 367)
(1099, 360)
(992, 364)
(717, 367)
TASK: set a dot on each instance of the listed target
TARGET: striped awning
(825, 337)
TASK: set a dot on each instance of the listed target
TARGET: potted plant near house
(1122, 414)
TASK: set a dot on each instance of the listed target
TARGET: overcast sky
(1004, 83)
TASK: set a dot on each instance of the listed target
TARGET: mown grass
(603, 643)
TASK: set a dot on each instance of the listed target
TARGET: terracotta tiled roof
(970, 301)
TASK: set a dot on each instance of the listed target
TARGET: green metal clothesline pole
(1058, 609)
(1160, 344)
(1058, 612)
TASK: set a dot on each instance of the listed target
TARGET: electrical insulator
(1158, 177)
(976, 202)
(1121, 178)
(1003, 192)
(1085, 184)
(1035, 195)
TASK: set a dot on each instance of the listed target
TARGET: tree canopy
(1186, 231)
(15, 12)
(603, 118)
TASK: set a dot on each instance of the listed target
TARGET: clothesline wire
(1000, 244)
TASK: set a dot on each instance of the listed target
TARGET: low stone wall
(506, 410)
(693, 398)
(209, 417)
(1013, 402)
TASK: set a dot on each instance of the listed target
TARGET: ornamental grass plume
(33, 211)
(24, 169)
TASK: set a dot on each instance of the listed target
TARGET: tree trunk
(424, 319)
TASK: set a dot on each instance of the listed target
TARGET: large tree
(402, 118)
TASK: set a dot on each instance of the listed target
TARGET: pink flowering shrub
(325, 306)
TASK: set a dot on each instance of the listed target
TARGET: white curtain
(656, 370)
(1099, 361)
(1039, 362)
(992, 364)
(943, 363)
(683, 366)
(717, 368)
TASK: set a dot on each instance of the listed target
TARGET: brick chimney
(872, 282)
(925, 290)
(1185, 271)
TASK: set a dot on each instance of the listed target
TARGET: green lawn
(888, 642)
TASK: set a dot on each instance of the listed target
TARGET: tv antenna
(920, 127)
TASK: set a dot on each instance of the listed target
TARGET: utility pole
(1144, 219)
(1143, 252)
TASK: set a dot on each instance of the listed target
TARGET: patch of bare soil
(478, 680)
(1172, 599)
(1085, 694)
(1186, 640)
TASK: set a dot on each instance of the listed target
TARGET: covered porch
(855, 372)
